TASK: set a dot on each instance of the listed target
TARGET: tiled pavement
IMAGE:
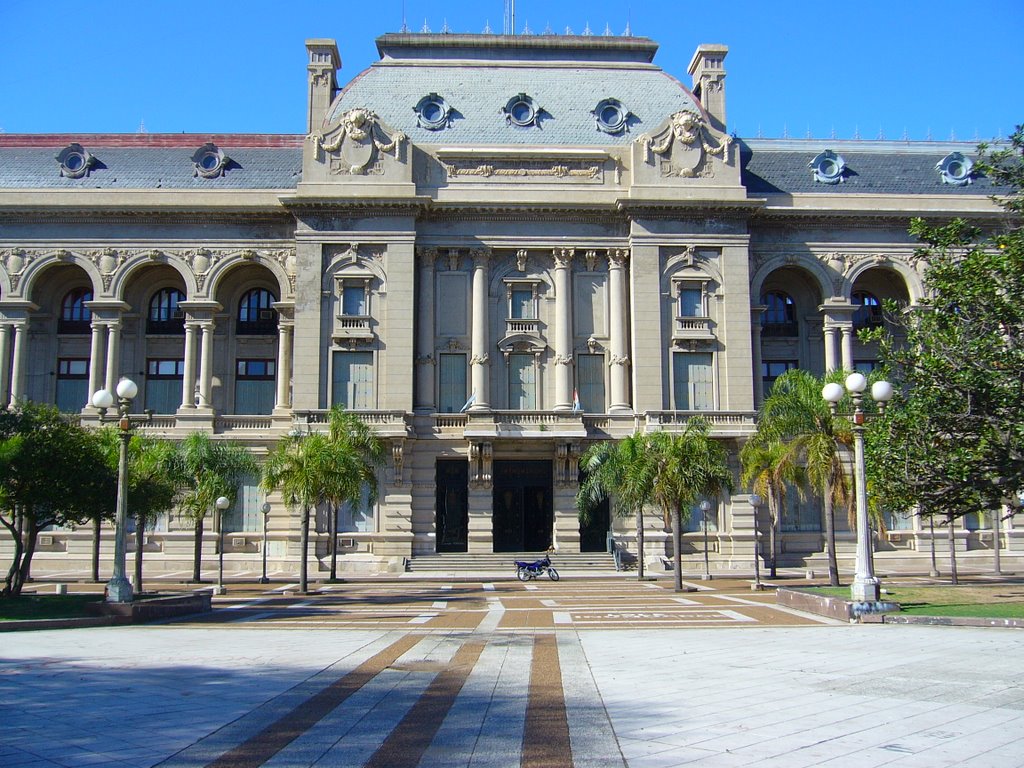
(584, 673)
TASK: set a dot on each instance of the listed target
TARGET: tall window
(75, 317)
(590, 382)
(72, 384)
(800, 515)
(522, 382)
(353, 299)
(693, 381)
(869, 310)
(165, 317)
(245, 514)
(256, 315)
(695, 522)
(254, 386)
(452, 381)
(163, 384)
(691, 300)
(352, 385)
(771, 370)
(521, 306)
(779, 318)
(357, 517)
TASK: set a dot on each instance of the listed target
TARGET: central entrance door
(522, 506)
(452, 500)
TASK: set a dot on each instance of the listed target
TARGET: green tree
(623, 472)
(205, 469)
(769, 470)
(52, 472)
(689, 464)
(355, 452)
(796, 415)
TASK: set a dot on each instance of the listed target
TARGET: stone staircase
(501, 562)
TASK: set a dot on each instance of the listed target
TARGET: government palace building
(497, 251)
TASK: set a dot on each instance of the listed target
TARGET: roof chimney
(324, 62)
(707, 67)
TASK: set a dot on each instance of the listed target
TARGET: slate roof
(566, 77)
(150, 161)
(774, 166)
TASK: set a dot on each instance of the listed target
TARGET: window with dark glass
(779, 318)
(72, 384)
(163, 384)
(256, 314)
(254, 386)
(771, 370)
(521, 305)
(75, 317)
(869, 310)
(590, 382)
(353, 300)
(691, 300)
(452, 382)
(165, 317)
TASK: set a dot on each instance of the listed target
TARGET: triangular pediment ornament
(683, 142)
(356, 138)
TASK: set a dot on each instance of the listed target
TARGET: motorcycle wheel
(523, 574)
(552, 574)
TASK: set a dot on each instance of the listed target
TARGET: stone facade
(497, 250)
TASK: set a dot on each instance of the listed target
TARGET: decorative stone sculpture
(357, 137)
(684, 142)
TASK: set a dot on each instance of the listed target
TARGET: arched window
(165, 317)
(779, 318)
(75, 317)
(869, 310)
(256, 315)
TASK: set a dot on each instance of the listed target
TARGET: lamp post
(221, 504)
(265, 509)
(705, 507)
(755, 502)
(865, 586)
(119, 589)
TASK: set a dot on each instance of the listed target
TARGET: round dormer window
(74, 161)
(520, 110)
(208, 161)
(828, 167)
(611, 116)
(432, 112)
(955, 169)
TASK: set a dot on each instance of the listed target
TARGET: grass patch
(998, 601)
(45, 606)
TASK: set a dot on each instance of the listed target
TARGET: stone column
(830, 346)
(847, 346)
(5, 361)
(480, 361)
(425, 332)
(18, 365)
(755, 335)
(206, 364)
(284, 364)
(619, 379)
(113, 355)
(95, 360)
(188, 379)
(563, 329)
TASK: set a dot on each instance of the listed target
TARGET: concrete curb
(113, 614)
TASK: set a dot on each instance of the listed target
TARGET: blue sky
(902, 67)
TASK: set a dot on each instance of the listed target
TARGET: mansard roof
(476, 76)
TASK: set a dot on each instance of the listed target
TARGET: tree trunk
(304, 555)
(97, 526)
(332, 528)
(951, 536)
(830, 537)
(773, 531)
(197, 552)
(996, 565)
(140, 540)
(677, 558)
(931, 528)
(15, 566)
(640, 544)
(23, 571)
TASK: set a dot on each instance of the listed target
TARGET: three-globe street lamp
(705, 507)
(865, 587)
(221, 504)
(119, 589)
(265, 509)
(755, 502)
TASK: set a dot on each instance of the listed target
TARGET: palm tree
(768, 469)
(689, 465)
(796, 415)
(356, 452)
(624, 473)
(302, 467)
(206, 469)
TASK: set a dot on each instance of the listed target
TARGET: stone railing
(229, 423)
(723, 423)
(384, 423)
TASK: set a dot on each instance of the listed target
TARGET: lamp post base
(119, 590)
(865, 590)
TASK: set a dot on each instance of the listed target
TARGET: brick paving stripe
(546, 738)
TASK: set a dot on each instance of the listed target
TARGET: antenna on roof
(628, 32)
(510, 17)
(142, 126)
(405, 27)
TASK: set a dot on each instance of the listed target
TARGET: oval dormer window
(209, 161)
(432, 112)
(520, 110)
(828, 167)
(75, 161)
(955, 169)
(611, 116)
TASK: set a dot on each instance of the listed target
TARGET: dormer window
(75, 161)
(955, 169)
(521, 111)
(828, 167)
(209, 161)
(611, 116)
(432, 112)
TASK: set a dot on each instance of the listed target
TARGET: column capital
(481, 256)
(563, 257)
(618, 257)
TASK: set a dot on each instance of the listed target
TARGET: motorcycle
(526, 571)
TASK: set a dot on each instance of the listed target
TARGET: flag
(472, 399)
(576, 401)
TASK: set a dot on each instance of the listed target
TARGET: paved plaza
(582, 672)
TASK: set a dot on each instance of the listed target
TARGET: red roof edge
(183, 140)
